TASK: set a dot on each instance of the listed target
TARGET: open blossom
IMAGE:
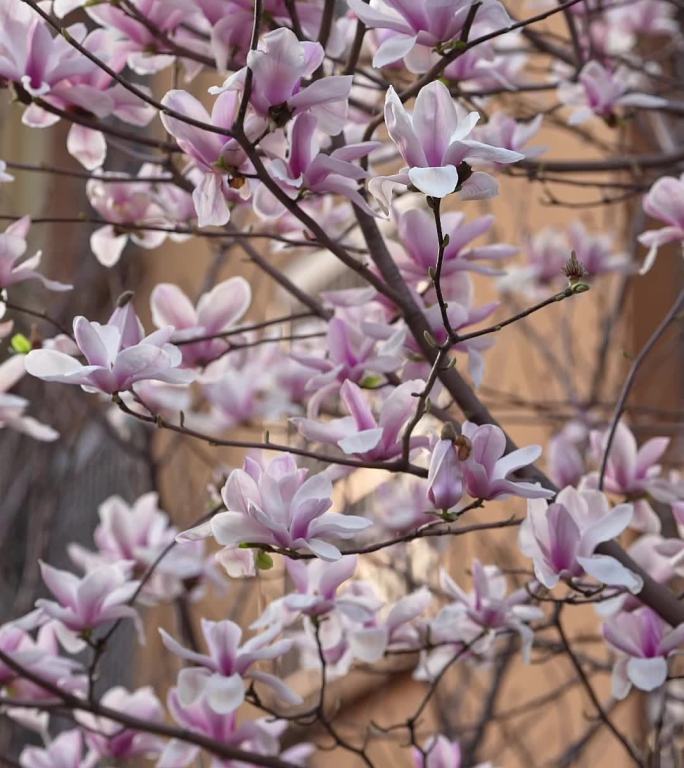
(12, 248)
(220, 674)
(278, 66)
(13, 407)
(643, 642)
(82, 604)
(486, 468)
(362, 434)
(420, 26)
(664, 202)
(65, 751)
(601, 91)
(418, 236)
(117, 355)
(109, 739)
(216, 311)
(561, 538)
(631, 470)
(218, 157)
(434, 144)
(277, 505)
(307, 169)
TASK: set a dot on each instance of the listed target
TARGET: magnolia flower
(418, 235)
(309, 169)
(664, 202)
(5, 177)
(277, 505)
(64, 751)
(445, 475)
(501, 130)
(487, 607)
(434, 145)
(216, 312)
(423, 25)
(631, 471)
(643, 642)
(361, 434)
(565, 460)
(561, 538)
(486, 469)
(83, 604)
(110, 740)
(12, 407)
(117, 356)
(278, 66)
(220, 674)
(402, 505)
(600, 91)
(217, 156)
(12, 248)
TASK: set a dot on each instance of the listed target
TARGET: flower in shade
(220, 674)
(361, 434)
(561, 538)
(643, 642)
(278, 505)
(216, 311)
(434, 144)
(117, 355)
(101, 596)
(664, 202)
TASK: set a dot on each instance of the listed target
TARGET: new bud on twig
(574, 269)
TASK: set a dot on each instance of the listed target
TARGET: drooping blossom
(362, 434)
(278, 66)
(101, 596)
(421, 26)
(216, 311)
(277, 505)
(308, 169)
(487, 467)
(418, 236)
(64, 751)
(220, 675)
(601, 91)
(117, 354)
(12, 248)
(218, 157)
(111, 740)
(631, 471)
(13, 407)
(434, 143)
(664, 202)
(561, 538)
(643, 642)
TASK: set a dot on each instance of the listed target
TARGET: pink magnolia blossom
(643, 642)
(445, 475)
(418, 236)
(601, 91)
(216, 155)
(565, 460)
(307, 169)
(561, 538)
(101, 596)
(13, 407)
(486, 469)
(65, 751)
(663, 202)
(117, 355)
(278, 66)
(220, 674)
(404, 505)
(110, 740)
(631, 471)
(12, 248)
(501, 130)
(487, 607)
(423, 24)
(434, 144)
(277, 505)
(216, 311)
(361, 434)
